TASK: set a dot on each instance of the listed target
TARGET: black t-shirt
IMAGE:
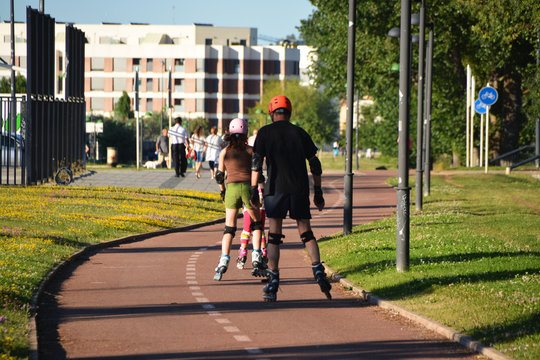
(286, 148)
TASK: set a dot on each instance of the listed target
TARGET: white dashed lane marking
(196, 292)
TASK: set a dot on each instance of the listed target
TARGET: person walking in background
(198, 142)
(286, 147)
(162, 148)
(212, 149)
(236, 160)
(179, 139)
(251, 139)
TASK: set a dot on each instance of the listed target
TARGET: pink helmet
(237, 126)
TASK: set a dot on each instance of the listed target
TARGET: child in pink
(246, 235)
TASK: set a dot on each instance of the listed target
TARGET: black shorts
(278, 205)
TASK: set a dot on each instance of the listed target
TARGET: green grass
(329, 163)
(42, 226)
(474, 259)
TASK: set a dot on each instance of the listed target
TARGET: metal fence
(12, 144)
(55, 127)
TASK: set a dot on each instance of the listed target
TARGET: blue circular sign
(480, 107)
(488, 95)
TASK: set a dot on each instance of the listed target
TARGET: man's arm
(316, 170)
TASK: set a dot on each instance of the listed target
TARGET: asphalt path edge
(32, 324)
(426, 322)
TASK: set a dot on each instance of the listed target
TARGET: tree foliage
(313, 110)
(20, 84)
(123, 107)
(497, 38)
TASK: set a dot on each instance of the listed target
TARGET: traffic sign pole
(487, 140)
(471, 146)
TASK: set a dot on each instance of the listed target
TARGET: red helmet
(279, 102)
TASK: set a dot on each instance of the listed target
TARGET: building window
(119, 64)
(136, 62)
(200, 65)
(150, 85)
(178, 85)
(149, 105)
(212, 85)
(178, 105)
(98, 104)
(208, 41)
(97, 64)
(97, 84)
(119, 84)
(149, 65)
(199, 87)
(179, 65)
(200, 105)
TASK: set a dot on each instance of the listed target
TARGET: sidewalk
(164, 179)
(155, 299)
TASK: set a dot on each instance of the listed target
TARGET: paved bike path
(155, 299)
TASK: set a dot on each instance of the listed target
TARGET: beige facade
(217, 72)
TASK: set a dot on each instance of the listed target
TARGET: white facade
(217, 72)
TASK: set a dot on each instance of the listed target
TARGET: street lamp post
(427, 140)
(347, 203)
(420, 99)
(162, 98)
(403, 190)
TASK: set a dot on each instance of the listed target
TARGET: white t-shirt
(214, 143)
(197, 142)
(178, 135)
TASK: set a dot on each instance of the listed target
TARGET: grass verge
(474, 259)
(42, 226)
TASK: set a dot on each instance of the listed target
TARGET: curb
(32, 325)
(426, 322)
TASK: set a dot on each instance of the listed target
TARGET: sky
(275, 18)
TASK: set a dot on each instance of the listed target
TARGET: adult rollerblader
(286, 147)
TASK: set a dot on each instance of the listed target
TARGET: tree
(313, 110)
(496, 38)
(123, 107)
(20, 85)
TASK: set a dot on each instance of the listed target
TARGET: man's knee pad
(307, 236)
(256, 225)
(275, 239)
(230, 230)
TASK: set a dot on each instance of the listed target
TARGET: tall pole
(467, 117)
(137, 116)
(486, 147)
(427, 141)
(420, 107)
(537, 142)
(347, 205)
(471, 146)
(403, 190)
(13, 126)
(162, 98)
(356, 135)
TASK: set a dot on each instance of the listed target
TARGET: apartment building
(216, 72)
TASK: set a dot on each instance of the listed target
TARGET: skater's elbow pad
(256, 162)
(220, 177)
(315, 166)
